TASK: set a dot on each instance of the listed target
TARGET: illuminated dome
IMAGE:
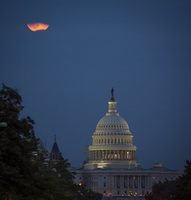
(112, 145)
(112, 121)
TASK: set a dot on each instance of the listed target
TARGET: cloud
(38, 26)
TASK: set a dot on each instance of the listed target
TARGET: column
(100, 155)
(97, 155)
(123, 154)
(90, 158)
(92, 155)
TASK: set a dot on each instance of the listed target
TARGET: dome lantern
(112, 104)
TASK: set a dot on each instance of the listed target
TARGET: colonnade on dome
(112, 140)
(111, 155)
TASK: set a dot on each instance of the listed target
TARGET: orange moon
(38, 26)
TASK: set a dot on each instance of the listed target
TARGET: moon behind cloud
(34, 27)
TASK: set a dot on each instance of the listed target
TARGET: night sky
(65, 74)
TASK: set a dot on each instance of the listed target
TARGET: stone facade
(111, 167)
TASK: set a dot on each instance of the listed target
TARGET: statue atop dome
(112, 95)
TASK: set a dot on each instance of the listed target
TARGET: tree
(183, 189)
(21, 159)
(62, 179)
(164, 190)
(179, 189)
(84, 194)
(148, 196)
(24, 172)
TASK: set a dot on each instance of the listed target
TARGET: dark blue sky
(64, 74)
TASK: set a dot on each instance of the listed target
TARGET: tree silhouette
(183, 190)
(24, 172)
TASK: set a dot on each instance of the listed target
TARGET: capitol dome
(112, 145)
(112, 121)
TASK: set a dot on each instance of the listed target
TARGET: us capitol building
(111, 167)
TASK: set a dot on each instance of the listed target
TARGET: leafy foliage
(164, 190)
(84, 194)
(62, 182)
(24, 172)
(179, 189)
(20, 154)
(183, 190)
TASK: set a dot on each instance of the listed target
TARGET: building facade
(111, 167)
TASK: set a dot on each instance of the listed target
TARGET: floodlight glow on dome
(101, 165)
